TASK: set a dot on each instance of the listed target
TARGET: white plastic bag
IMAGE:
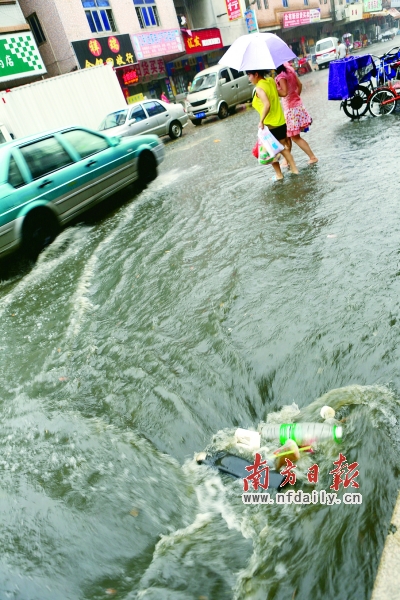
(269, 146)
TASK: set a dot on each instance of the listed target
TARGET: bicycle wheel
(375, 103)
(356, 106)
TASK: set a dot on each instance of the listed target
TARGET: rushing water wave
(207, 302)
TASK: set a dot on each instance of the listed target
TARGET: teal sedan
(47, 179)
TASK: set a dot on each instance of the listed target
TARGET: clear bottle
(304, 434)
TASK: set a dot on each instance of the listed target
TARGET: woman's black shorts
(280, 133)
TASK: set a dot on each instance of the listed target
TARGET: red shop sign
(130, 77)
(202, 40)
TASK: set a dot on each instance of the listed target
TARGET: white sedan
(147, 116)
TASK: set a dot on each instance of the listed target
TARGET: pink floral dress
(297, 118)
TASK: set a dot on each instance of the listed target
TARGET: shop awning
(393, 12)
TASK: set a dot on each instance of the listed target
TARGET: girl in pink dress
(297, 118)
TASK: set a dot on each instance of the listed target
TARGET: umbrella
(257, 51)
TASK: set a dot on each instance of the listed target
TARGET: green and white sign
(372, 5)
(19, 57)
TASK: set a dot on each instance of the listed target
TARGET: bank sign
(19, 57)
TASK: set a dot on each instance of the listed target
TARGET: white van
(326, 50)
(217, 91)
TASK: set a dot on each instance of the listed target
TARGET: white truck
(81, 97)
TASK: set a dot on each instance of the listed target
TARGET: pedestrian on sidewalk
(297, 118)
(266, 103)
(342, 50)
(164, 98)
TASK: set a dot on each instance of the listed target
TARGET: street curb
(387, 582)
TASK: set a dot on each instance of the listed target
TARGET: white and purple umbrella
(257, 51)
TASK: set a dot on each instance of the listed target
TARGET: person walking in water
(297, 118)
(266, 103)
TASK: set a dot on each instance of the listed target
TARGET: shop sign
(130, 77)
(19, 57)
(157, 43)
(251, 21)
(203, 40)
(115, 50)
(301, 17)
(151, 68)
(233, 9)
(135, 98)
(372, 5)
(354, 12)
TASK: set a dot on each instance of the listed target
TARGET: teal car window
(85, 143)
(14, 174)
(138, 114)
(154, 108)
(45, 156)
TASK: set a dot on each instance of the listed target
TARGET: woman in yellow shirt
(267, 104)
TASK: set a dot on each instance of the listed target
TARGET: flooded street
(202, 304)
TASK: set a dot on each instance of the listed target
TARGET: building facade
(135, 36)
(208, 27)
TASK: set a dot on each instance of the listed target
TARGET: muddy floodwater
(150, 332)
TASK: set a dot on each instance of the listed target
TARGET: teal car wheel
(39, 229)
(147, 167)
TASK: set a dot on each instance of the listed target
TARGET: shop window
(147, 13)
(99, 15)
(36, 28)
(285, 3)
(266, 4)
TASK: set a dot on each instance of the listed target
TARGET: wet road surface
(206, 302)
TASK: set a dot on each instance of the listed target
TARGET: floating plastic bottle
(303, 434)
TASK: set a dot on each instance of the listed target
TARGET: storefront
(138, 60)
(203, 49)
(303, 28)
(146, 78)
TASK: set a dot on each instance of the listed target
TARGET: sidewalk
(387, 582)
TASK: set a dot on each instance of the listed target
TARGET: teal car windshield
(114, 119)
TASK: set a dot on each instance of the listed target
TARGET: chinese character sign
(19, 57)
(157, 43)
(233, 9)
(116, 50)
(203, 39)
(295, 18)
(372, 5)
(150, 68)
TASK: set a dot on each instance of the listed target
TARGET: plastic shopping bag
(269, 146)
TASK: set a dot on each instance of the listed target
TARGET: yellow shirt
(275, 116)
